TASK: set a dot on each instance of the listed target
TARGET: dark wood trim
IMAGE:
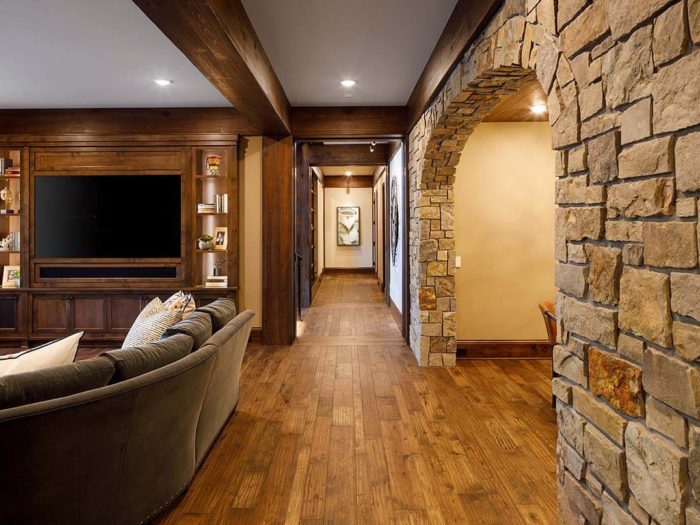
(255, 335)
(338, 271)
(219, 39)
(302, 185)
(317, 285)
(348, 122)
(380, 172)
(356, 181)
(348, 155)
(32, 126)
(529, 349)
(279, 324)
(396, 314)
(466, 22)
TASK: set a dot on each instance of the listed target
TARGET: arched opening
(504, 233)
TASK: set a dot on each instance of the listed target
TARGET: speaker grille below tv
(108, 272)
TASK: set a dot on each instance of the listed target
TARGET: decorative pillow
(132, 362)
(182, 302)
(58, 352)
(153, 320)
(58, 381)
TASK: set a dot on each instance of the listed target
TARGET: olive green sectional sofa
(118, 437)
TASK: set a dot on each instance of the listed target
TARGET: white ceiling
(94, 54)
(382, 44)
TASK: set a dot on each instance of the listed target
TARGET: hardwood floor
(343, 427)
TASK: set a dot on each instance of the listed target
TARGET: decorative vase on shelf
(204, 243)
(214, 165)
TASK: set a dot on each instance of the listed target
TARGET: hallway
(343, 427)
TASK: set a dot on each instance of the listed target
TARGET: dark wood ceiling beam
(348, 121)
(466, 22)
(218, 38)
(356, 181)
(347, 155)
(52, 123)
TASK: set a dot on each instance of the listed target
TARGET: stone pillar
(624, 104)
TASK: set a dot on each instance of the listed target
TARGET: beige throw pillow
(153, 320)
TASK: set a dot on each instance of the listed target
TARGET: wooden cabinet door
(89, 313)
(51, 314)
(12, 315)
(123, 312)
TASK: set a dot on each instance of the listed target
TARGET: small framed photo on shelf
(220, 238)
(10, 277)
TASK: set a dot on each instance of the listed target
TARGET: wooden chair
(550, 323)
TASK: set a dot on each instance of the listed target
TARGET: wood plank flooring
(344, 428)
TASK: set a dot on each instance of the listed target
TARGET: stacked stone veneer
(623, 85)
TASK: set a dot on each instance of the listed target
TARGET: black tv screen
(107, 216)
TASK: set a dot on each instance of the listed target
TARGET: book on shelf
(216, 281)
(221, 203)
(205, 207)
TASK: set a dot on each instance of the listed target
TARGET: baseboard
(348, 270)
(533, 349)
(396, 314)
(316, 285)
(255, 335)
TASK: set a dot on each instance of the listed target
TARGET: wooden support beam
(465, 23)
(345, 122)
(218, 38)
(42, 125)
(347, 155)
(341, 181)
(279, 319)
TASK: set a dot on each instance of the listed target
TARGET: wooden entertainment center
(103, 296)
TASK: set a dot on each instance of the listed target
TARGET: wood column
(278, 241)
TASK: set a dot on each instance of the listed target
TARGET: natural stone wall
(623, 84)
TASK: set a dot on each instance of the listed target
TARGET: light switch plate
(458, 261)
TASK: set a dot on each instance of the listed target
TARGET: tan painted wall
(504, 230)
(250, 178)
(348, 256)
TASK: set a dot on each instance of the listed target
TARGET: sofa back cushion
(197, 325)
(55, 382)
(221, 312)
(132, 362)
(58, 352)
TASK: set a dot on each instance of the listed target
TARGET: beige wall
(348, 256)
(504, 230)
(250, 179)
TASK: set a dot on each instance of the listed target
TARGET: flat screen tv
(107, 216)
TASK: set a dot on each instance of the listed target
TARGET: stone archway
(622, 86)
(511, 51)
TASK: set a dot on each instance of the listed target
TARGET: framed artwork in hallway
(348, 219)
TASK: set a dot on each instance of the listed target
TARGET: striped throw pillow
(150, 324)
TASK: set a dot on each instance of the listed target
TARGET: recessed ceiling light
(348, 83)
(162, 81)
(539, 108)
(348, 173)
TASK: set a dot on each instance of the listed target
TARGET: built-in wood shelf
(222, 252)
